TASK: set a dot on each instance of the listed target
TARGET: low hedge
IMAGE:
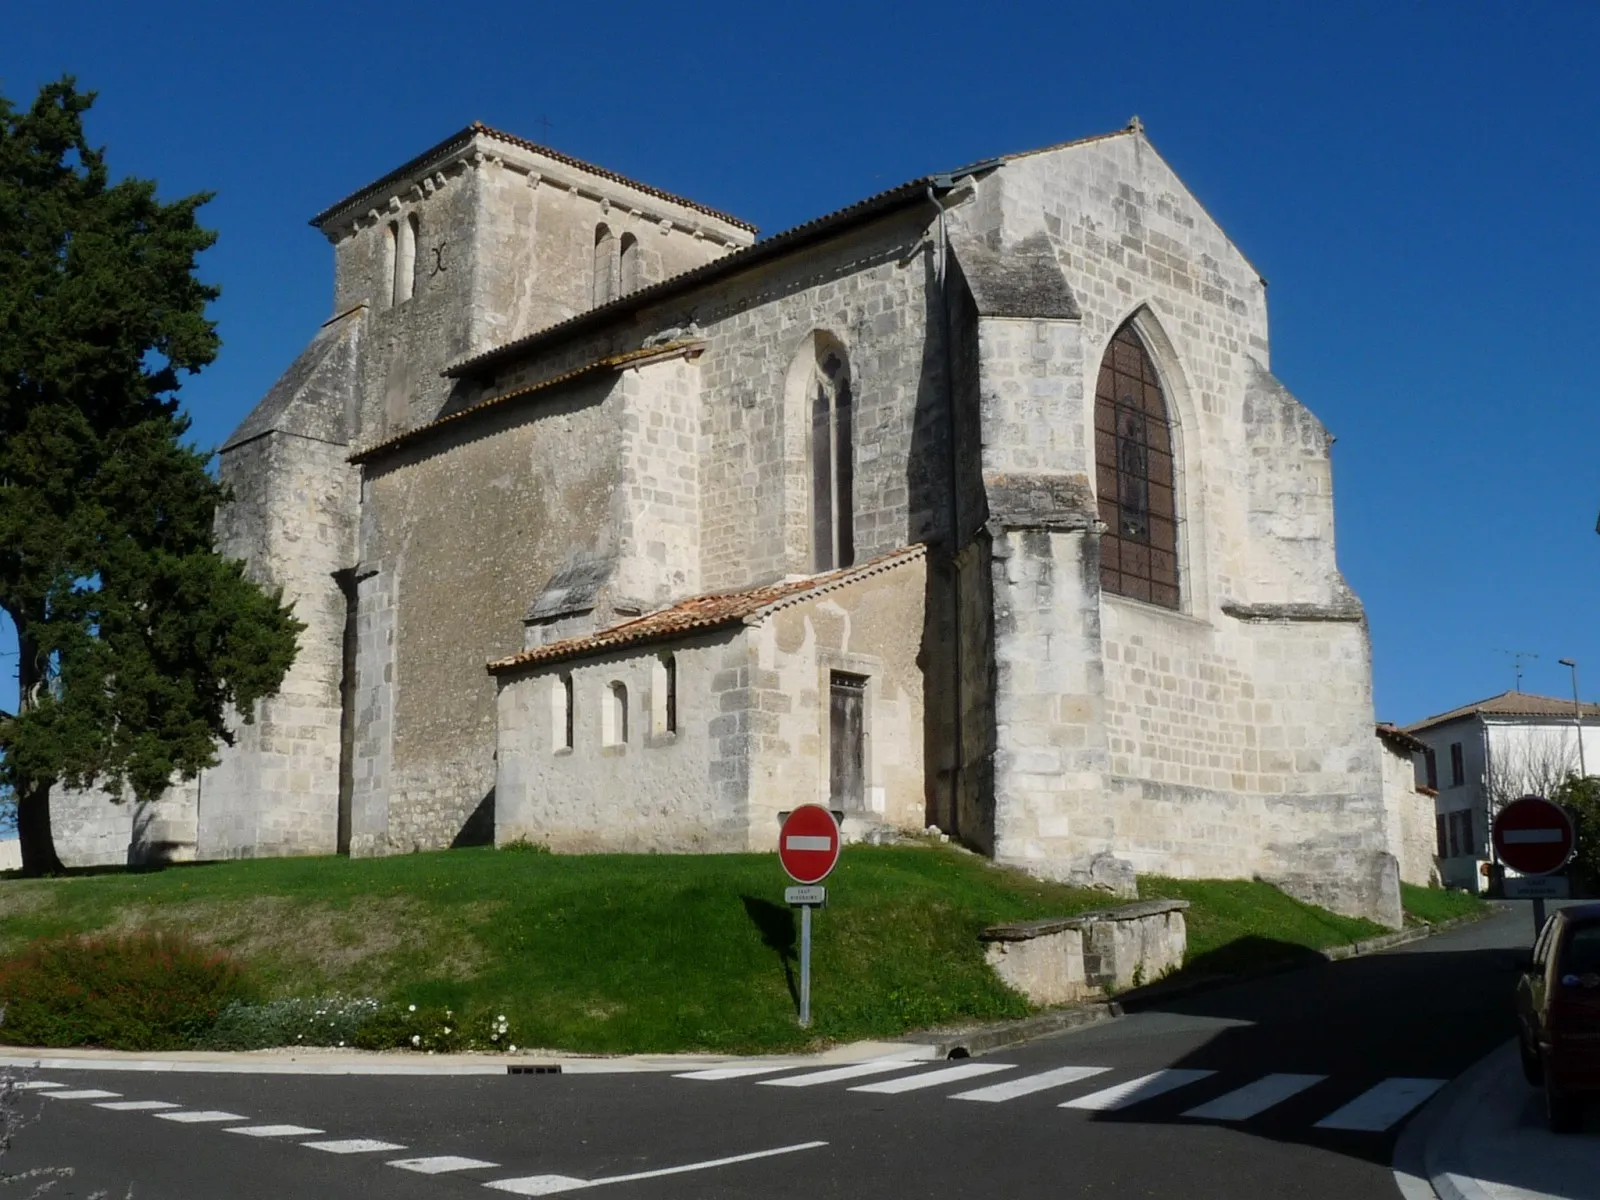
(141, 991)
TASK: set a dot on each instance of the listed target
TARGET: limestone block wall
(93, 829)
(873, 627)
(459, 533)
(276, 791)
(658, 497)
(654, 791)
(1413, 837)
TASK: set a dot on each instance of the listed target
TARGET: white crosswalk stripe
(995, 1093)
(82, 1094)
(876, 1066)
(274, 1131)
(440, 1164)
(137, 1105)
(200, 1117)
(1254, 1098)
(1137, 1091)
(913, 1083)
(353, 1146)
(35, 1085)
(733, 1072)
(1379, 1107)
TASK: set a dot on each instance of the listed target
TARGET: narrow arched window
(832, 459)
(391, 236)
(631, 267)
(605, 265)
(1135, 478)
(561, 714)
(405, 262)
(614, 720)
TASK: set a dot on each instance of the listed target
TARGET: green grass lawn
(1439, 904)
(616, 953)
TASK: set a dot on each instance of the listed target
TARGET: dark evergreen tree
(134, 638)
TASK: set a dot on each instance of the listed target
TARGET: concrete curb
(1420, 1152)
(979, 1039)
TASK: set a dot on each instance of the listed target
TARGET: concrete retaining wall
(1059, 960)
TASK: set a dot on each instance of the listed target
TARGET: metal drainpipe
(958, 763)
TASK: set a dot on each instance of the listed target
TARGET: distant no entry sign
(808, 843)
(1533, 836)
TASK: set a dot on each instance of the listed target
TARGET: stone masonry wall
(465, 529)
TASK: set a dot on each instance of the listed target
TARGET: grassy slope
(1438, 904)
(623, 953)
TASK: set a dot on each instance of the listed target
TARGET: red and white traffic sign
(808, 843)
(1532, 836)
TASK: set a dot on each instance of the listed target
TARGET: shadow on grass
(776, 925)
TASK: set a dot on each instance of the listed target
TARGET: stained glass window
(1135, 482)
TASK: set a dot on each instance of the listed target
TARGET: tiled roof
(1509, 704)
(701, 614)
(462, 137)
(803, 234)
(615, 362)
(1400, 739)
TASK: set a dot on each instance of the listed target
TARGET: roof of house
(701, 614)
(1509, 704)
(463, 136)
(910, 192)
(1399, 739)
(614, 362)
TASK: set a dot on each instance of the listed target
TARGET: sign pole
(1538, 917)
(805, 966)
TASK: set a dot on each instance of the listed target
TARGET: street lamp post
(1577, 713)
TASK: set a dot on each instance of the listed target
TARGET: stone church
(974, 504)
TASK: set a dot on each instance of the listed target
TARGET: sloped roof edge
(706, 613)
(1509, 704)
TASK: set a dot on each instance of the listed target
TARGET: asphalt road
(1279, 1060)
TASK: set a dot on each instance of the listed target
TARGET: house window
(1442, 834)
(1135, 477)
(561, 713)
(1431, 762)
(631, 273)
(1458, 774)
(832, 460)
(605, 265)
(664, 695)
(614, 720)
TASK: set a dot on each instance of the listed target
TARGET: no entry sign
(808, 843)
(1533, 836)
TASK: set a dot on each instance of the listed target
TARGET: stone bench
(1062, 959)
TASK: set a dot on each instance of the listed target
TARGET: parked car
(1558, 1014)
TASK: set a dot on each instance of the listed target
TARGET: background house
(1483, 755)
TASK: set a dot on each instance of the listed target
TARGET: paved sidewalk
(1485, 1138)
(314, 1061)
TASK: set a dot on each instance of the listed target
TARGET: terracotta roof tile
(464, 136)
(614, 362)
(1509, 704)
(1400, 739)
(703, 613)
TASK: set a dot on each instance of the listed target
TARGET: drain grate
(535, 1069)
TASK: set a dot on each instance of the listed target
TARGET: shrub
(328, 1021)
(139, 992)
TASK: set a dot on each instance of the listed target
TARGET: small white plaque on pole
(815, 894)
(1526, 887)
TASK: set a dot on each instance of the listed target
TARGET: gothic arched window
(832, 459)
(1135, 478)
(631, 272)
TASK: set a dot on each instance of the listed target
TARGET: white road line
(274, 1130)
(912, 1083)
(439, 1164)
(1028, 1084)
(34, 1085)
(1136, 1091)
(548, 1185)
(876, 1066)
(200, 1117)
(733, 1072)
(82, 1094)
(1379, 1107)
(137, 1105)
(1244, 1103)
(353, 1146)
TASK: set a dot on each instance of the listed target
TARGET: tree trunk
(33, 829)
(39, 855)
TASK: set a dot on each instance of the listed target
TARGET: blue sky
(1419, 182)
